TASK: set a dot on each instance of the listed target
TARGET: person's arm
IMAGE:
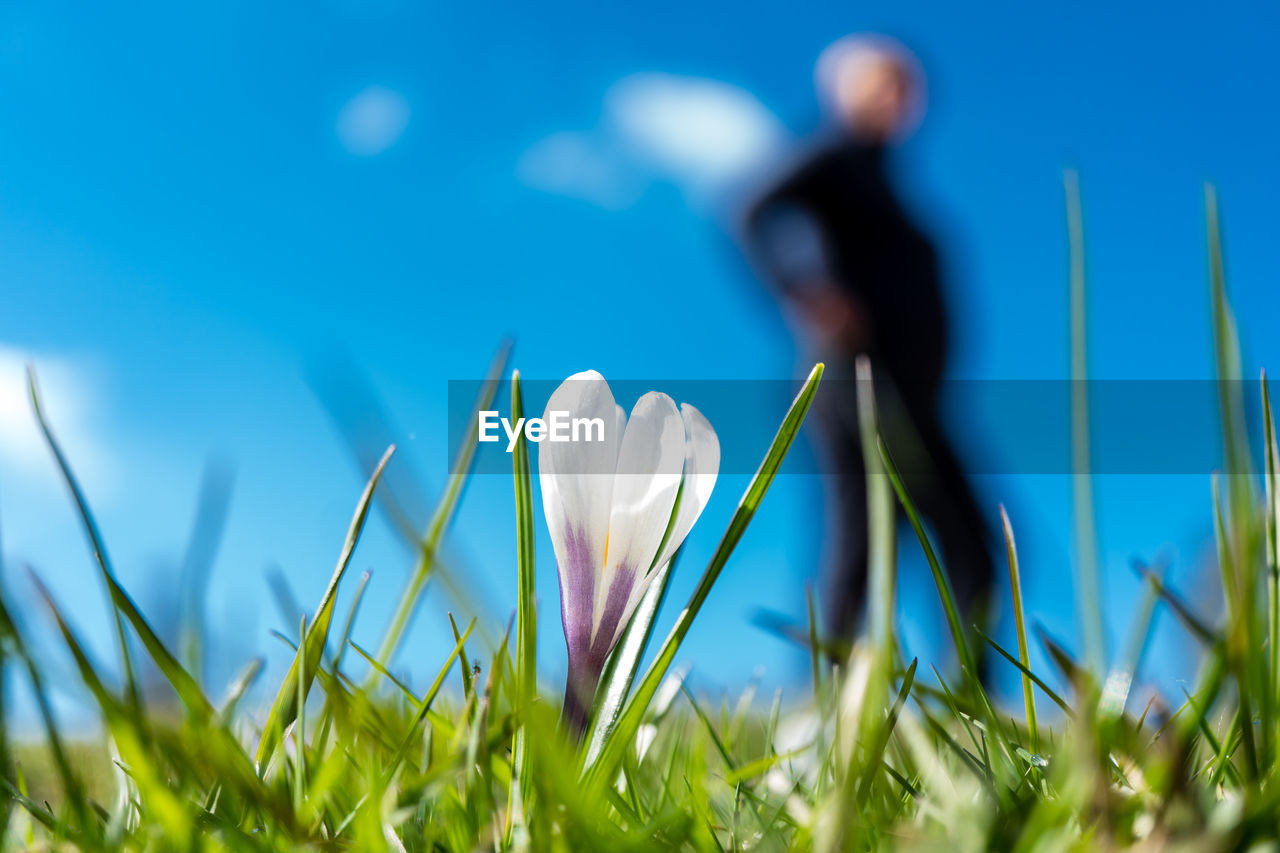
(787, 246)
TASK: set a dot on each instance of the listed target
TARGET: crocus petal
(701, 467)
(650, 464)
(622, 424)
(577, 486)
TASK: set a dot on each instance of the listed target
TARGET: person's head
(872, 86)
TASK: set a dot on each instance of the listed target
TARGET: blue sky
(193, 199)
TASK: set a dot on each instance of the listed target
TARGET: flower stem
(579, 695)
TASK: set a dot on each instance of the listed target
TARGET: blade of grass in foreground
(1019, 621)
(91, 530)
(243, 681)
(1196, 626)
(875, 757)
(526, 615)
(1239, 643)
(468, 682)
(1027, 673)
(186, 686)
(859, 721)
(304, 667)
(605, 766)
(212, 508)
(882, 557)
(1272, 477)
(128, 727)
(72, 786)
(1241, 538)
(1088, 600)
(964, 649)
(815, 655)
(521, 783)
(424, 706)
(1119, 683)
(940, 579)
(1226, 351)
(1079, 677)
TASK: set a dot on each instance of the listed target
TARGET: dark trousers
(907, 412)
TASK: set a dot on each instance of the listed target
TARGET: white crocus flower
(609, 504)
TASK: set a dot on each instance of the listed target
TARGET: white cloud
(576, 165)
(372, 121)
(67, 397)
(703, 131)
(705, 135)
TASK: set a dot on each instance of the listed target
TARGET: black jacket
(869, 246)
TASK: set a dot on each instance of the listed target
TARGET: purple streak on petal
(577, 601)
(615, 604)
(586, 661)
(577, 592)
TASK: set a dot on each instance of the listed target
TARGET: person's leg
(845, 575)
(847, 570)
(962, 534)
(941, 491)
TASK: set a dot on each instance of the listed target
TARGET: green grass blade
(1241, 536)
(1115, 691)
(183, 683)
(716, 740)
(881, 521)
(526, 612)
(875, 752)
(1080, 677)
(212, 508)
(1271, 473)
(1238, 642)
(345, 636)
(424, 705)
(759, 766)
(1019, 621)
(1226, 350)
(1193, 623)
(42, 814)
(1027, 673)
(815, 654)
(275, 725)
(238, 688)
(940, 578)
(468, 682)
(1272, 479)
(1088, 586)
(311, 649)
(91, 531)
(129, 730)
(859, 719)
(300, 732)
(72, 785)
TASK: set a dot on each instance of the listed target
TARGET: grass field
(881, 752)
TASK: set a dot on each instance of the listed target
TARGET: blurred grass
(880, 751)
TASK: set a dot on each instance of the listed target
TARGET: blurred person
(833, 237)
